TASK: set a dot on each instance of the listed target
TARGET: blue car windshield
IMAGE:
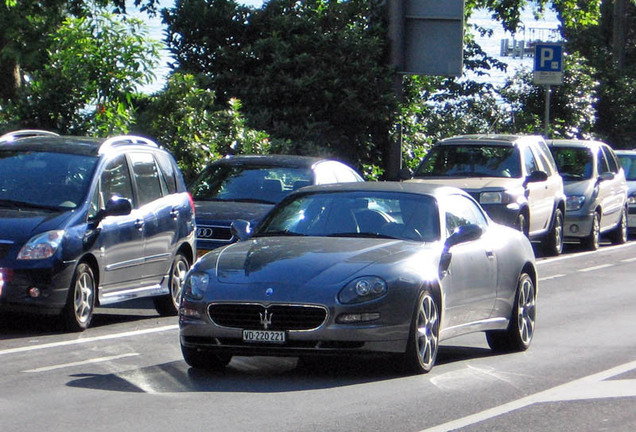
(248, 183)
(629, 166)
(396, 215)
(574, 163)
(471, 161)
(47, 180)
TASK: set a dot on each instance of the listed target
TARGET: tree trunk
(618, 34)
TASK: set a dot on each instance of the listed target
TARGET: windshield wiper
(23, 204)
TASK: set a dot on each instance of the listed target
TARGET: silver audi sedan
(378, 268)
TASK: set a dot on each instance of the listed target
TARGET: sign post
(548, 70)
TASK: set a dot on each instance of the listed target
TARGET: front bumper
(577, 225)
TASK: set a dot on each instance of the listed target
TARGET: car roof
(86, 146)
(282, 160)
(625, 152)
(591, 144)
(491, 139)
(387, 186)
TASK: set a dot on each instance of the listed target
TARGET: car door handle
(490, 254)
(174, 214)
(139, 224)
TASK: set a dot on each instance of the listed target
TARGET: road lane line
(88, 340)
(628, 260)
(598, 267)
(551, 277)
(80, 363)
(565, 392)
(568, 256)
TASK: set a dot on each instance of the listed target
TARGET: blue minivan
(87, 222)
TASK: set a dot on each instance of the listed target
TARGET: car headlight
(574, 202)
(42, 246)
(362, 289)
(491, 197)
(631, 200)
(196, 285)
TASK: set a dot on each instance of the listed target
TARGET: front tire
(423, 344)
(593, 241)
(201, 359)
(168, 305)
(520, 331)
(80, 303)
(620, 233)
(553, 242)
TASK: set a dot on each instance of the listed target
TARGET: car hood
(227, 211)
(473, 183)
(20, 226)
(300, 261)
(584, 187)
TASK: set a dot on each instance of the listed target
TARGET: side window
(529, 161)
(611, 160)
(462, 211)
(147, 177)
(545, 156)
(115, 180)
(601, 162)
(168, 170)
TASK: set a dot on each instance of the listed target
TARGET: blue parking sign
(548, 64)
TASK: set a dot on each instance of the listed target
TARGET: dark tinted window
(115, 180)
(611, 159)
(471, 161)
(146, 177)
(168, 169)
(574, 163)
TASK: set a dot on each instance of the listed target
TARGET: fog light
(34, 292)
(574, 228)
(359, 317)
(189, 313)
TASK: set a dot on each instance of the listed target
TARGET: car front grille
(273, 317)
(214, 232)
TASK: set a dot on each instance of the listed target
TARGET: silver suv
(596, 191)
(513, 177)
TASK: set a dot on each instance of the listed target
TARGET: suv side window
(147, 177)
(115, 180)
(545, 156)
(168, 170)
(529, 161)
(601, 162)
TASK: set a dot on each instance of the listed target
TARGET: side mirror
(116, 206)
(537, 176)
(463, 234)
(606, 176)
(241, 229)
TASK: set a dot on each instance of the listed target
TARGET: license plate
(264, 336)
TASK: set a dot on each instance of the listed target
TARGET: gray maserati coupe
(376, 268)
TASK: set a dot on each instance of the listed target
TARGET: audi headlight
(362, 289)
(42, 246)
(196, 285)
(574, 202)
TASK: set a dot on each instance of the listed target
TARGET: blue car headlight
(196, 285)
(42, 246)
(363, 289)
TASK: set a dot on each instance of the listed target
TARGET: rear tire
(423, 343)
(201, 359)
(80, 302)
(520, 331)
(168, 305)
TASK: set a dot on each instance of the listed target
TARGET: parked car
(596, 191)
(628, 162)
(87, 222)
(374, 268)
(513, 177)
(247, 187)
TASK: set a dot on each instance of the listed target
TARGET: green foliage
(186, 118)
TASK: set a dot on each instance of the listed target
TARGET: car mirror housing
(606, 176)
(241, 229)
(537, 176)
(117, 206)
(463, 234)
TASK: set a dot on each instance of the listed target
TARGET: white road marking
(598, 267)
(628, 260)
(80, 363)
(590, 387)
(551, 277)
(88, 340)
(580, 254)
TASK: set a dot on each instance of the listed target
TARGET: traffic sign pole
(546, 118)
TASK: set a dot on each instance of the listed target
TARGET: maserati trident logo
(266, 319)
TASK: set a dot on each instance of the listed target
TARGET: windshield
(629, 166)
(57, 181)
(574, 163)
(471, 161)
(356, 214)
(249, 183)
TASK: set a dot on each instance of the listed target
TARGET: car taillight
(191, 202)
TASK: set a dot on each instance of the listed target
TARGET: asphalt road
(126, 373)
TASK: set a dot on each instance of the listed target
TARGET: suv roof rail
(25, 133)
(126, 140)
